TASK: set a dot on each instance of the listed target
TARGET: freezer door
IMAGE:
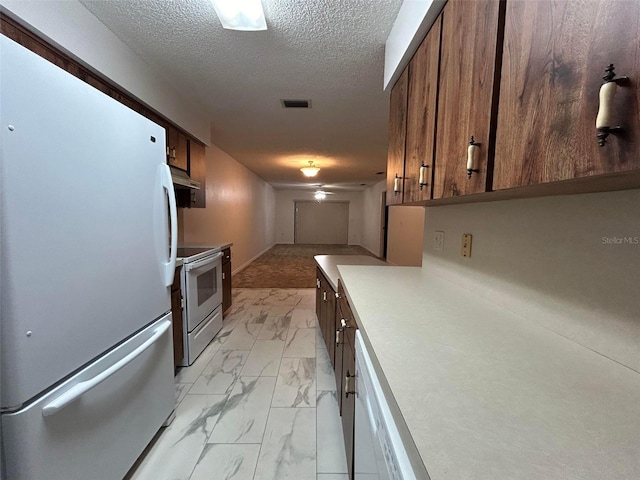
(84, 223)
(100, 433)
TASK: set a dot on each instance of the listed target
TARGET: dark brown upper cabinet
(397, 137)
(467, 95)
(198, 172)
(177, 148)
(554, 61)
(421, 117)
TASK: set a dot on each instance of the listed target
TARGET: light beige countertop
(486, 394)
(329, 264)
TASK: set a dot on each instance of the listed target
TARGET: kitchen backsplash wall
(570, 263)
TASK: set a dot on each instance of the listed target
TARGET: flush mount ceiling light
(246, 15)
(320, 195)
(311, 170)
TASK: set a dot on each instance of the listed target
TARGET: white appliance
(86, 350)
(379, 453)
(201, 284)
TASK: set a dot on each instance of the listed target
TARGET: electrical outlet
(438, 241)
(466, 245)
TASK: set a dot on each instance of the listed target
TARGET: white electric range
(201, 283)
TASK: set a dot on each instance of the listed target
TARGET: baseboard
(247, 263)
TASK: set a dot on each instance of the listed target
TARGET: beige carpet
(289, 266)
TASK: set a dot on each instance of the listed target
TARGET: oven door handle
(201, 263)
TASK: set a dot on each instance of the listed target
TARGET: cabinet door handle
(347, 385)
(344, 323)
(338, 332)
(396, 185)
(317, 283)
(606, 96)
(223, 275)
(473, 151)
(423, 176)
(337, 295)
(324, 296)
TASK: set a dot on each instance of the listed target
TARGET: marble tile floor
(259, 403)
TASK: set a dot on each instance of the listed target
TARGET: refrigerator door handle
(167, 185)
(83, 387)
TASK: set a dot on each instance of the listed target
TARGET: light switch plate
(466, 245)
(438, 240)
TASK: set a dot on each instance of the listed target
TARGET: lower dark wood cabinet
(176, 319)
(227, 297)
(338, 326)
(348, 402)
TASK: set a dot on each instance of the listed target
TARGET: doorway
(321, 222)
(384, 223)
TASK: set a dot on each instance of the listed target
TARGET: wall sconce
(310, 171)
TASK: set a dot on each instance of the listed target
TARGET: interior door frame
(384, 223)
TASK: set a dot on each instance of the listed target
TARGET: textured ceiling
(331, 52)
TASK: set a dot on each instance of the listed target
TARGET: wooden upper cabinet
(470, 32)
(198, 172)
(421, 116)
(181, 152)
(172, 141)
(397, 136)
(177, 148)
(555, 55)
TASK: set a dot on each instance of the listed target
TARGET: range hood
(182, 180)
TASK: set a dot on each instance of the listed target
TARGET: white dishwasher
(379, 453)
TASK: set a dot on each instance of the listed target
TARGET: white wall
(70, 26)
(284, 217)
(405, 235)
(240, 209)
(552, 260)
(372, 217)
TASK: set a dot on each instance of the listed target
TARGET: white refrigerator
(86, 199)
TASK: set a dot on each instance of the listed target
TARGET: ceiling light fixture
(320, 195)
(246, 15)
(311, 170)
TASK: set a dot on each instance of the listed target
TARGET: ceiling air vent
(296, 103)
